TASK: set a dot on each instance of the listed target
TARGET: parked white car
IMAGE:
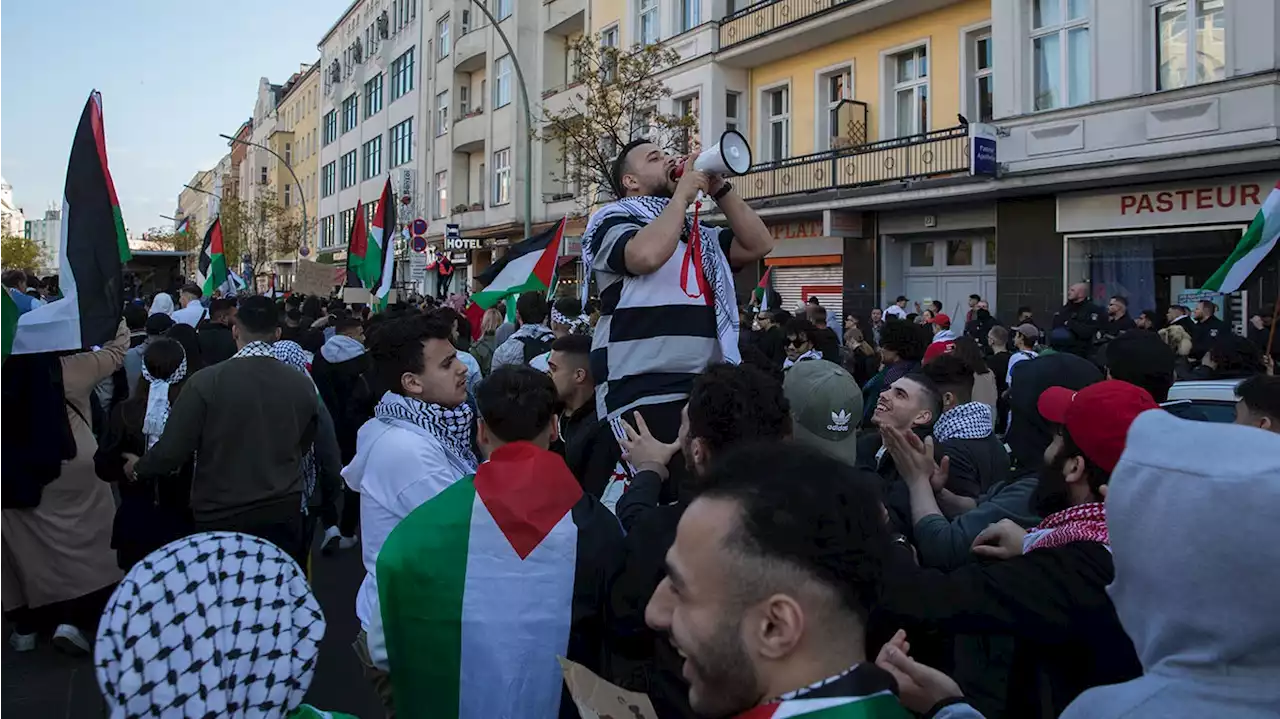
(1214, 399)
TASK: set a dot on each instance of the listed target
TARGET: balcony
(564, 16)
(770, 30)
(469, 131)
(469, 50)
(941, 152)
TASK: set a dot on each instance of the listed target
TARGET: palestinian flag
(212, 273)
(370, 253)
(882, 705)
(518, 559)
(528, 266)
(93, 249)
(1258, 241)
(764, 289)
(183, 227)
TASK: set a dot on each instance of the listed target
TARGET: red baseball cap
(941, 320)
(937, 349)
(1097, 417)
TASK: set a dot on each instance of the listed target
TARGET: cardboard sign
(313, 278)
(598, 699)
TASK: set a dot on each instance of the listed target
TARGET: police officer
(1077, 323)
(1207, 329)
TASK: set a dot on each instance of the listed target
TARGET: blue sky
(172, 75)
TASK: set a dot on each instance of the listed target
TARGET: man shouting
(666, 285)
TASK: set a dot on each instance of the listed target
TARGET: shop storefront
(946, 256)
(805, 263)
(1157, 244)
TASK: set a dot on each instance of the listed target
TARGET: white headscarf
(158, 398)
(216, 624)
(162, 304)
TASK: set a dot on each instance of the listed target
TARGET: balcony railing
(764, 17)
(940, 152)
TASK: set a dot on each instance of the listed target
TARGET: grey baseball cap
(826, 408)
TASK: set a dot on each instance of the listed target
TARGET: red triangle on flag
(527, 490)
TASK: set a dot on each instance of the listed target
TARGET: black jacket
(1204, 334)
(1081, 320)
(1052, 601)
(1112, 328)
(976, 465)
(589, 448)
(216, 342)
(348, 390)
(773, 343)
(1259, 337)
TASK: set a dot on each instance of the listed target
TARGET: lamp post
(528, 118)
(302, 197)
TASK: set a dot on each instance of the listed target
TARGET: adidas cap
(826, 408)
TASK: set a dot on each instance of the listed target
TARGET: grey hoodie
(1197, 556)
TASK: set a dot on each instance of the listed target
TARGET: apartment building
(255, 171)
(295, 138)
(199, 201)
(861, 116)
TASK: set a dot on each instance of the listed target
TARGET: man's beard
(727, 682)
(1051, 493)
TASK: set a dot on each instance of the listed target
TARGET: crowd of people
(735, 514)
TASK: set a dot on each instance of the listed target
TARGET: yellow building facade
(296, 139)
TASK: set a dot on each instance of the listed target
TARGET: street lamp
(302, 197)
(528, 118)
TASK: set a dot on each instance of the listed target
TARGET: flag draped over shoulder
(528, 266)
(212, 272)
(882, 705)
(519, 556)
(93, 249)
(1257, 242)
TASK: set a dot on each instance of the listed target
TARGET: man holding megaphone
(668, 307)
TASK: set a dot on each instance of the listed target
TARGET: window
(1187, 30)
(262, 175)
(505, 7)
(370, 212)
(980, 108)
(347, 164)
(647, 21)
(464, 22)
(346, 219)
(330, 127)
(442, 194)
(1060, 52)
(373, 96)
(350, 113)
(402, 75)
(402, 143)
(442, 38)
(687, 107)
(288, 153)
(922, 254)
(464, 100)
(480, 180)
(502, 84)
(442, 113)
(372, 158)
(502, 177)
(327, 238)
(732, 108)
(690, 14)
(288, 195)
(777, 104)
(959, 253)
(609, 38)
(911, 92)
(328, 176)
(835, 87)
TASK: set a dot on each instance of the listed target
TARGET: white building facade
(12, 221)
(47, 233)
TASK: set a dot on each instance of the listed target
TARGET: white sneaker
(70, 640)
(331, 541)
(22, 642)
(348, 542)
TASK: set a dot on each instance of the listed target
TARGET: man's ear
(277, 334)
(580, 375)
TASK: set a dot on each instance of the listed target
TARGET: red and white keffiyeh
(1081, 523)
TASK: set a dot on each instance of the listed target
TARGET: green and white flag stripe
(460, 640)
(882, 705)
(1257, 242)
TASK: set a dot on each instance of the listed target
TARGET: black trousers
(279, 523)
(350, 520)
(82, 612)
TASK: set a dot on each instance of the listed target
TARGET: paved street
(45, 683)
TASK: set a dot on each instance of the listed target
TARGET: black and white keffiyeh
(158, 400)
(254, 349)
(292, 354)
(972, 420)
(213, 625)
(451, 426)
(788, 363)
(715, 265)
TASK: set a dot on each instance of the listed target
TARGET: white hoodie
(398, 466)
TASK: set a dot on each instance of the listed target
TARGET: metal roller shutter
(788, 281)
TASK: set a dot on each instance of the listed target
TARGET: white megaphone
(731, 156)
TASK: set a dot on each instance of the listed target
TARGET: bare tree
(616, 99)
(261, 229)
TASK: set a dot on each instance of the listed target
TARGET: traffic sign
(419, 226)
(419, 243)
